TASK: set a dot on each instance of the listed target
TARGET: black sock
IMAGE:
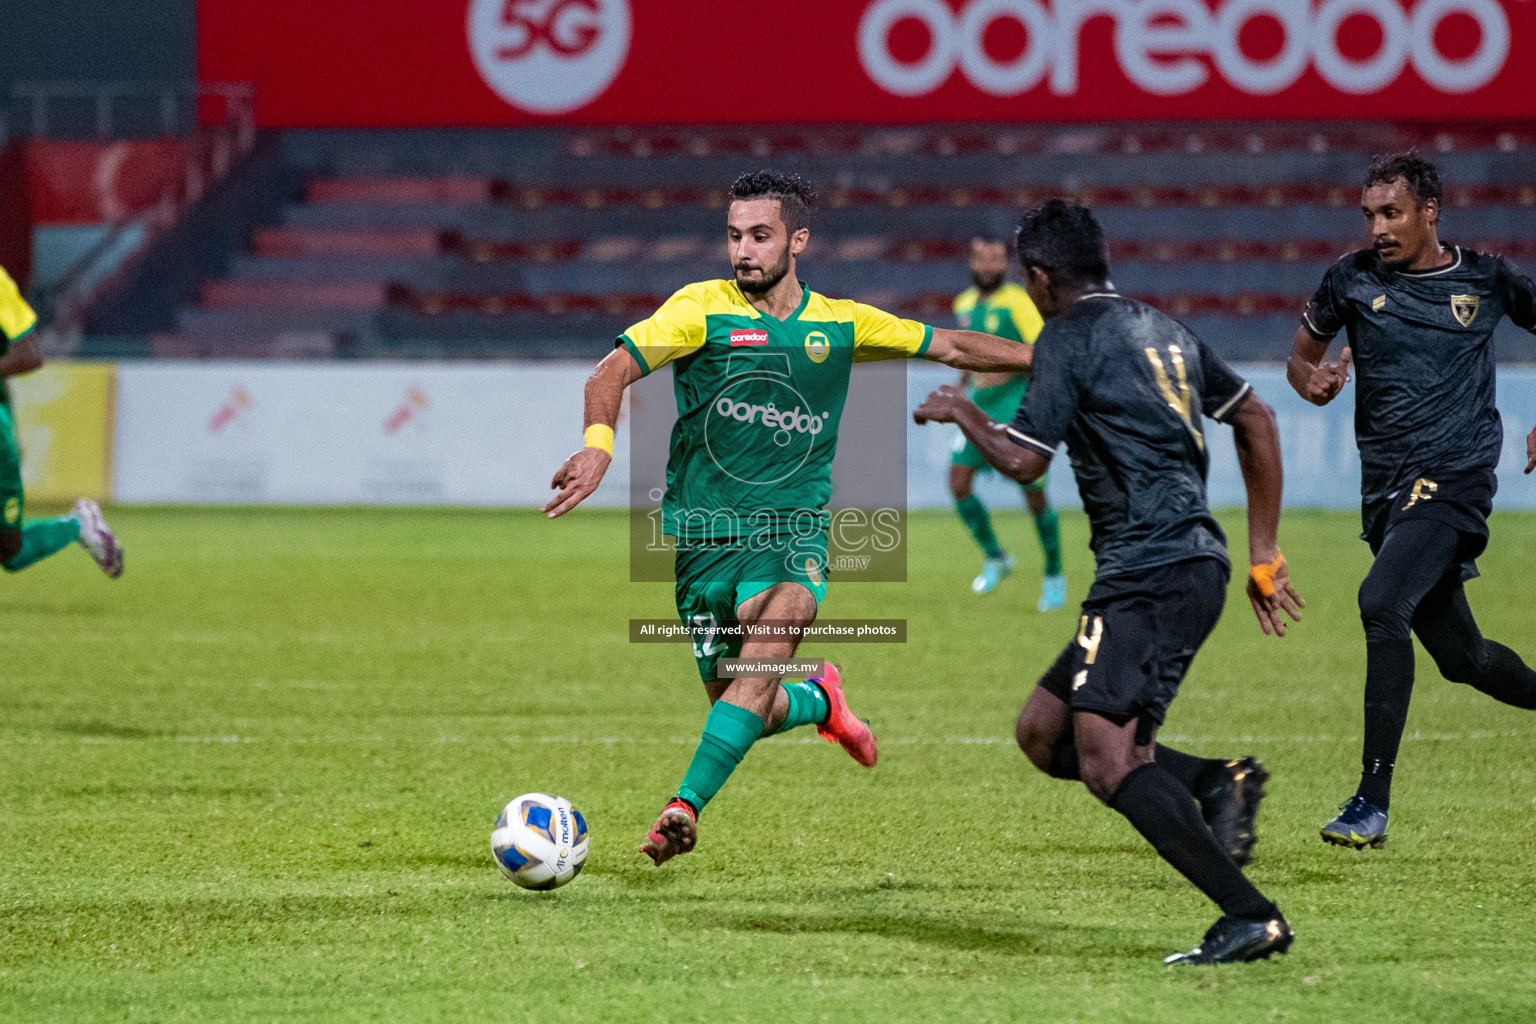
(1376, 782)
(1388, 688)
(1191, 772)
(1161, 810)
(1505, 677)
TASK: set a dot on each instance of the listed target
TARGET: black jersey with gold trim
(1422, 343)
(1126, 387)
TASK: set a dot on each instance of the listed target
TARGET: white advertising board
(493, 434)
(332, 433)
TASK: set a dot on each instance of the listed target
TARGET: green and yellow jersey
(16, 321)
(758, 403)
(1008, 313)
(16, 317)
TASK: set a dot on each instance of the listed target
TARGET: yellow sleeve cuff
(599, 435)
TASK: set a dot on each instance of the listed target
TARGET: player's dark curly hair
(1422, 177)
(1064, 239)
(795, 195)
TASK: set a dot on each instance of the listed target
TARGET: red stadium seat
(1302, 193)
(948, 141)
(937, 304)
(292, 295)
(400, 191)
(304, 242)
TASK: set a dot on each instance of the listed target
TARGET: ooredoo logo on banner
(484, 63)
(549, 56)
(1159, 44)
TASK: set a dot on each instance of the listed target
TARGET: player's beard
(771, 276)
(987, 282)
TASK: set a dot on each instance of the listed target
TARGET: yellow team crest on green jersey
(817, 346)
(12, 510)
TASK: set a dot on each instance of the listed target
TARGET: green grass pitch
(254, 780)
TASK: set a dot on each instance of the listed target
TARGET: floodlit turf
(255, 779)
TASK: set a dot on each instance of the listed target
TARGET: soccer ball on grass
(540, 841)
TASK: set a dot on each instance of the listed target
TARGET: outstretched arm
(1314, 379)
(1530, 451)
(1258, 456)
(949, 405)
(581, 473)
(972, 350)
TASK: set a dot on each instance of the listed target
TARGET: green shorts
(12, 500)
(1001, 404)
(714, 579)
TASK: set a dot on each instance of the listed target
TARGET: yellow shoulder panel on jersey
(721, 296)
(678, 327)
(876, 333)
(1015, 299)
(16, 317)
(822, 310)
(965, 304)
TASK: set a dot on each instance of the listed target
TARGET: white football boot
(97, 538)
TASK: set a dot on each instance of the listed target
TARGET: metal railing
(216, 122)
(124, 110)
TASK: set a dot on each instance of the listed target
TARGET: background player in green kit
(998, 306)
(760, 372)
(23, 543)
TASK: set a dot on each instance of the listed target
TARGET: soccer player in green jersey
(998, 306)
(760, 372)
(25, 543)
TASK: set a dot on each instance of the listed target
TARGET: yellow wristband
(1264, 575)
(599, 435)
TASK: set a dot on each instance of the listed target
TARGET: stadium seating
(546, 243)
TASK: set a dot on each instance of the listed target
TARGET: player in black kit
(1419, 318)
(1126, 387)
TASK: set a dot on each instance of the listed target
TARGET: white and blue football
(540, 841)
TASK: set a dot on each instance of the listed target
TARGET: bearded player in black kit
(1127, 388)
(1419, 317)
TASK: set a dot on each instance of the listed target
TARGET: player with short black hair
(1065, 241)
(760, 370)
(793, 193)
(1000, 307)
(1419, 317)
(1420, 177)
(1125, 386)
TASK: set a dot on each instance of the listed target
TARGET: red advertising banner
(359, 63)
(101, 182)
(16, 225)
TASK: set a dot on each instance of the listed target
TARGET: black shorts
(1460, 500)
(1136, 637)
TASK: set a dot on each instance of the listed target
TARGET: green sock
(808, 705)
(41, 538)
(974, 514)
(1049, 528)
(729, 733)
